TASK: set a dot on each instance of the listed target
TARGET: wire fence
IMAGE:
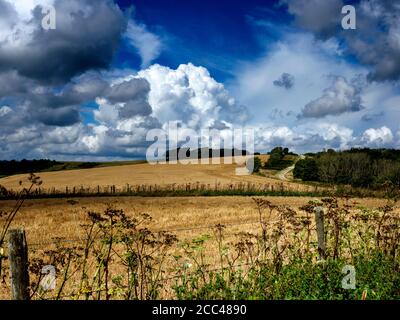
(173, 189)
(172, 230)
(170, 276)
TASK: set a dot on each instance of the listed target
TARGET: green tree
(306, 170)
(276, 159)
(257, 165)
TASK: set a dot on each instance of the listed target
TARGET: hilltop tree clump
(278, 159)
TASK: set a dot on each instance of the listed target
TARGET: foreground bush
(376, 278)
(123, 257)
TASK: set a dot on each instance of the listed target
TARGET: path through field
(281, 175)
(139, 174)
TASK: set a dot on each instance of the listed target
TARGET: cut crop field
(146, 179)
(211, 229)
(151, 247)
(141, 174)
(47, 219)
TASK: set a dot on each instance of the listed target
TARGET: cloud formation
(146, 43)
(49, 123)
(189, 94)
(61, 98)
(286, 80)
(340, 98)
(375, 42)
(319, 16)
(377, 138)
(86, 37)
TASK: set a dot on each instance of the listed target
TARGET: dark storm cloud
(61, 117)
(73, 93)
(286, 81)
(54, 108)
(134, 93)
(86, 37)
(8, 15)
(135, 107)
(339, 98)
(322, 17)
(11, 84)
(127, 90)
(35, 63)
(61, 107)
(375, 42)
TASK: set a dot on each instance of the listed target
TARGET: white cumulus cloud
(191, 95)
(380, 137)
(148, 44)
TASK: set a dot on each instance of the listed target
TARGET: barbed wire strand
(80, 240)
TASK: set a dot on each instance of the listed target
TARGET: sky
(111, 71)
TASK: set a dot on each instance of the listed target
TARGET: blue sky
(111, 72)
(214, 34)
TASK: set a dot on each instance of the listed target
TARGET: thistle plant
(10, 215)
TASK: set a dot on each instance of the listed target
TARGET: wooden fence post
(319, 220)
(18, 257)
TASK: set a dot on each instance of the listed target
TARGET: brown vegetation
(58, 232)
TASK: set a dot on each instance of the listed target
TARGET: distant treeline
(8, 168)
(25, 166)
(203, 153)
(368, 168)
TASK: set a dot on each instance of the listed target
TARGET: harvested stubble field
(47, 219)
(172, 179)
(54, 223)
(144, 174)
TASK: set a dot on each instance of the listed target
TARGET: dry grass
(141, 174)
(47, 219)
(188, 217)
(128, 179)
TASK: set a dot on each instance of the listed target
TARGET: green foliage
(123, 259)
(306, 170)
(12, 167)
(257, 164)
(282, 266)
(300, 279)
(360, 168)
(278, 159)
(25, 166)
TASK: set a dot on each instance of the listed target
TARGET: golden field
(49, 222)
(143, 174)
(62, 220)
(46, 219)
